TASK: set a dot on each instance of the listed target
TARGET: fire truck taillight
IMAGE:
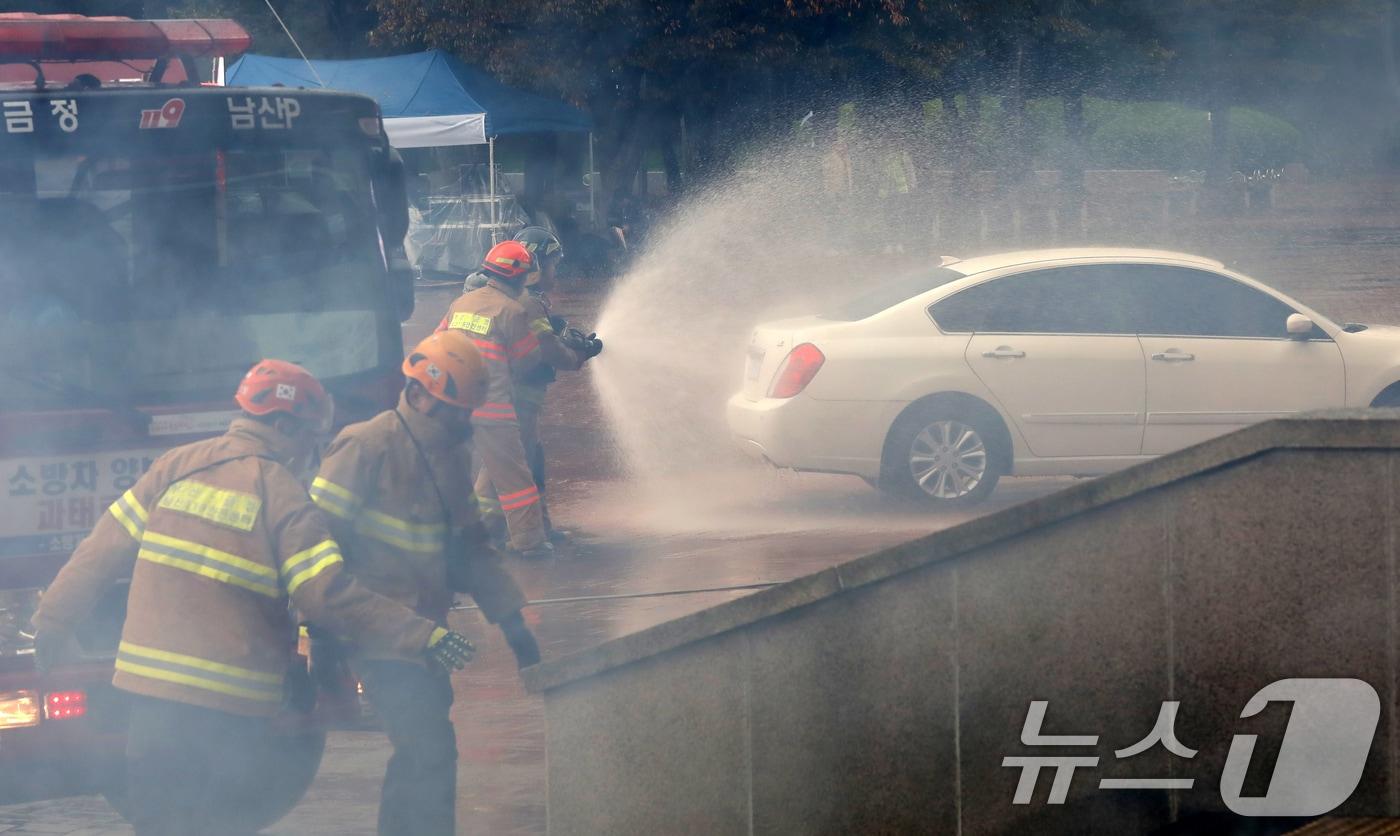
(65, 705)
(72, 37)
(19, 709)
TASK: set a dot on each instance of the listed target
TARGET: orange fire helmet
(450, 368)
(508, 260)
(278, 386)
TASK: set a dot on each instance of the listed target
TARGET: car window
(1180, 301)
(1063, 300)
(890, 293)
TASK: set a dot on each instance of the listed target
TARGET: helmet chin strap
(440, 411)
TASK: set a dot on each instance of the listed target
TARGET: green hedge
(1162, 135)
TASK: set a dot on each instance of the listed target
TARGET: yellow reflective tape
(293, 564)
(405, 525)
(541, 326)
(212, 554)
(397, 541)
(196, 662)
(333, 498)
(332, 488)
(234, 509)
(475, 323)
(209, 572)
(295, 581)
(331, 505)
(195, 681)
(136, 506)
(132, 526)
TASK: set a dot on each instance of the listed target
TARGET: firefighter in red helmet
(492, 316)
(561, 349)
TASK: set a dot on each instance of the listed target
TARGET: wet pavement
(740, 525)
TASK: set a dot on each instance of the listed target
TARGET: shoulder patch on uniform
(234, 509)
(473, 323)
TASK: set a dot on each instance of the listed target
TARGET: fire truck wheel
(288, 765)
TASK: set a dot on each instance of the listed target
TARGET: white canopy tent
(429, 100)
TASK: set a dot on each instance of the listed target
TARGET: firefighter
(398, 490)
(561, 349)
(493, 318)
(216, 538)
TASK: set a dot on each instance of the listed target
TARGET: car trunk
(769, 345)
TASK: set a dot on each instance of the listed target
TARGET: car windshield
(162, 273)
(890, 293)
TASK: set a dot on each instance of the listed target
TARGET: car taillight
(19, 709)
(796, 371)
(65, 705)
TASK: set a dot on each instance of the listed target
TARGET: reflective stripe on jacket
(387, 516)
(216, 537)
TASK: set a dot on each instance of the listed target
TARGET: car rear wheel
(944, 457)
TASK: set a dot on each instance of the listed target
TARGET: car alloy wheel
(948, 459)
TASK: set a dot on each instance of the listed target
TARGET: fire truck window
(169, 270)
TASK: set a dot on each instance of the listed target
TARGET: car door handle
(1173, 355)
(1002, 352)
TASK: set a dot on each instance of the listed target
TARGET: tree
(641, 66)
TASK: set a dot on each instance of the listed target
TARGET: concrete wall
(882, 695)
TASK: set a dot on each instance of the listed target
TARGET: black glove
(298, 691)
(330, 670)
(521, 640)
(573, 339)
(588, 345)
(51, 649)
(558, 323)
(449, 651)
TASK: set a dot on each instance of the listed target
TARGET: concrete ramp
(883, 695)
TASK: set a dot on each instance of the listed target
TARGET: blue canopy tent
(428, 99)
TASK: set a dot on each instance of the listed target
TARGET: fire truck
(158, 236)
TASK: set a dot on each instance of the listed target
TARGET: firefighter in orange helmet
(216, 538)
(398, 491)
(494, 319)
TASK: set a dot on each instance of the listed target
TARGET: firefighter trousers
(419, 797)
(192, 769)
(504, 485)
(529, 413)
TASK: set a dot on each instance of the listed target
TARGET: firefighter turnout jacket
(493, 316)
(216, 537)
(382, 494)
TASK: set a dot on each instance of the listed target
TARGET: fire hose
(621, 596)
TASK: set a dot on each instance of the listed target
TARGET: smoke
(783, 236)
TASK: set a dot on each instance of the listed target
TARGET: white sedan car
(1051, 362)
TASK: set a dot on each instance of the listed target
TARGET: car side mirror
(1299, 326)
